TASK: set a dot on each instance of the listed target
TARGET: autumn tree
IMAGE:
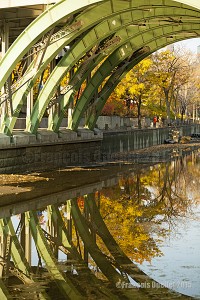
(171, 71)
(135, 86)
(114, 106)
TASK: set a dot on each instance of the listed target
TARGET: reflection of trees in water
(84, 285)
(142, 209)
(108, 230)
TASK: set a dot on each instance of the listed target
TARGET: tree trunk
(139, 112)
(166, 92)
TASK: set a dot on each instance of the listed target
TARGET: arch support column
(4, 48)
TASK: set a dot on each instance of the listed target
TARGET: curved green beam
(107, 267)
(67, 288)
(51, 85)
(74, 85)
(47, 93)
(17, 253)
(101, 260)
(90, 278)
(41, 104)
(4, 294)
(110, 85)
(108, 88)
(26, 84)
(77, 51)
(48, 20)
(53, 16)
(41, 25)
(116, 7)
(123, 262)
(68, 98)
(49, 90)
(112, 62)
(85, 21)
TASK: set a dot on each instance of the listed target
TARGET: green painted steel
(65, 285)
(103, 263)
(80, 76)
(110, 85)
(119, 55)
(112, 82)
(26, 82)
(65, 65)
(82, 266)
(84, 21)
(107, 266)
(4, 294)
(123, 263)
(18, 256)
(16, 249)
(99, 19)
(75, 53)
(41, 25)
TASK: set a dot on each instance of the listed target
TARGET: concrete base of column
(67, 135)
(4, 140)
(23, 138)
(47, 136)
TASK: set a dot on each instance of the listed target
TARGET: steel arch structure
(102, 41)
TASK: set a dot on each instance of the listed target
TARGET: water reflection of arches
(116, 269)
(79, 230)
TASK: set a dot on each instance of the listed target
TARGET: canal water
(132, 232)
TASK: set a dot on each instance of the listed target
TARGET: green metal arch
(46, 21)
(50, 87)
(21, 95)
(65, 285)
(108, 88)
(107, 67)
(57, 13)
(56, 76)
(68, 98)
(4, 294)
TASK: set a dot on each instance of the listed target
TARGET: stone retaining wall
(47, 157)
(22, 153)
(123, 141)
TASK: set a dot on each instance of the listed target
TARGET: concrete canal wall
(22, 153)
(123, 141)
(25, 153)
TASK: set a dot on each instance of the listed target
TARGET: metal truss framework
(115, 268)
(100, 41)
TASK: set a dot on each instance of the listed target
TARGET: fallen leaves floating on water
(16, 178)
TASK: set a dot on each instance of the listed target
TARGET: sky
(191, 44)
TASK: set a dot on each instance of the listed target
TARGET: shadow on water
(90, 241)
